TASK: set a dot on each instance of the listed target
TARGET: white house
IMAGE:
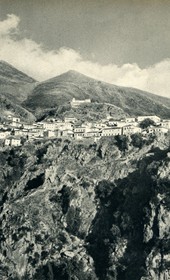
(67, 133)
(111, 122)
(165, 123)
(130, 120)
(78, 135)
(99, 125)
(111, 131)
(120, 123)
(28, 126)
(137, 129)
(49, 126)
(12, 141)
(92, 134)
(79, 129)
(4, 134)
(76, 103)
(15, 119)
(130, 129)
(161, 130)
(49, 134)
(70, 120)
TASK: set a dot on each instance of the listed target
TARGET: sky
(123, 42)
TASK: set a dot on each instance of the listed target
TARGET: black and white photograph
(84, 139)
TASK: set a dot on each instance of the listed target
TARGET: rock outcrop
(84, 211)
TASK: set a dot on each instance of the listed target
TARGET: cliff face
(84, 211)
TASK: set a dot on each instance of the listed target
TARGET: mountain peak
(73, 73)
(70, 76)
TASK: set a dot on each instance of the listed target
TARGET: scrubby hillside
(14, 83)
(42, 99)
(61, 89)
(84, 211)
(15, 86)
(9, 106)
(87, 112)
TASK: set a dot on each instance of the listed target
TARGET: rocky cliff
(84, 211)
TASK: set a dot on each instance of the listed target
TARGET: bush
(137, 140)
(103, 190)
(146, 123)
(122, 142)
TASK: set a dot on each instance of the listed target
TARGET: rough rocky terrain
(76, 210)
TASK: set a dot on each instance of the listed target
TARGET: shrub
(104, 189)
(137, 140)
(122, 142)
(146, 123)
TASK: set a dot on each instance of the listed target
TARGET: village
(14, 130)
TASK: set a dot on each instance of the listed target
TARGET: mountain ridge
(58, 91)
(10, 72)
(61, 89)
(74, 74)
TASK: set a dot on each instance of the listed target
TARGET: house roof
(13, 138)
(111, 128)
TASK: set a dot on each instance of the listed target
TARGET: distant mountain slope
(10, 107)
(61, 89)
(14, 83)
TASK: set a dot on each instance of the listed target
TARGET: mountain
(53, 96)
(14, 89)
(14, 83)
(61, 89)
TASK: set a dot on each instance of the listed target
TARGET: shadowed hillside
(14, 88)
(84, 211)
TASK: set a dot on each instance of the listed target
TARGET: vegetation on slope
(60, 90)
(80, 210)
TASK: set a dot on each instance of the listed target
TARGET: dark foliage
(35, 182)
(122, 142)
(137, 140)
(146, 123)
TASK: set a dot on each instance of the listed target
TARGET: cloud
(9, 25)
(36, 61)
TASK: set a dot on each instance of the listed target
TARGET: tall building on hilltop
(76, 103)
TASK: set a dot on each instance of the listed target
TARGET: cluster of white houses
(13, 130)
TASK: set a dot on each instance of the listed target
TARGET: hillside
(61, 89)
(9, 106)
(15, 86)
(52, 97)
(14, 83)
(88, 112)
(84, 211)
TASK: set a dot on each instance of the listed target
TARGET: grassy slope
(14, 83)
(60, 90)
(15, 87)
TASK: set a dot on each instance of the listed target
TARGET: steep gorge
(74, 210)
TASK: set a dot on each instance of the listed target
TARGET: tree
(137, 140)
(122, 142)
(146, 123)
